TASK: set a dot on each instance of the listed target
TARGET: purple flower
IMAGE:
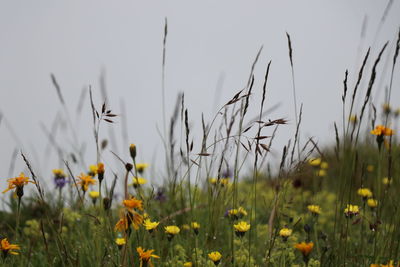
(60, 182)
(160, 195)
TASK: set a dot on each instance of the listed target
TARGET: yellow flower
(386, 181)
(321, 173)
(93, 170)
(224, 181)
(188, 264)
(315, 162)
(186, 227)
(241, 228)
(135, 218)
(138, 181)
(364, 193)
(133, 203)
(351, 210)
(314, 209)
(213, 181)
(172, 229)
(242, 211)
(285, 233)
(94, 194)
(120, 242)
(85, 181)
(353, 119)
(59, 173)
(195, 227)
(372, 203)
(8, 248)
(370, 168)
(381, 130)
(324, 165)
(132, 151)
(215, 256)
(18, 183)
(149, 225)
(304, 248)
(140, 167)
(145, 256)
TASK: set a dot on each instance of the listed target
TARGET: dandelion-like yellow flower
(372, 203)
(172, 229)
(100, 168)
(321, 173)
(149, 225)
(213, 181)
(132, 151)
(285, 233)
(140, 167)
(18, 183)
(381, 130)
(138, 181)
(188, 264)
(314, 209)
(92, 170)
(364, 193)
(324, 165)
(215, 257)
(304, 248)
(85, 181)
(135, 218)
(8, 248)
(94, 194)
(120, 242)
(353, 119)
(315, 162)
(242, 212)
(122, 225)
(195, 227)
(132, 204)
(224, 181)
(370, 168)
(386, 181)
(241, 228)
(59, 173)
(351, 210)
(145, 256)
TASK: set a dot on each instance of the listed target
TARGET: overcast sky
(208, 41)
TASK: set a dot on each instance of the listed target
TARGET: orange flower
(135, 218)
(133, 203)
(18, 182)
(85, 181)
(381, 130)
(122, 225)
(145, 256)
(8, 248)
(305, 248)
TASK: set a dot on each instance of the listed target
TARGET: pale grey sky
(75, 40)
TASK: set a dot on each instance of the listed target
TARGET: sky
(210, 44)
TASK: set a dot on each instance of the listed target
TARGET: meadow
(336, 205)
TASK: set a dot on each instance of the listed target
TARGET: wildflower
(305, 249)
(160, 195)
(133, 203)
(171, 231)
(386, 108)
(8, 248)
(145, 256)
(370, 168)
(224, 181)
(135, 219)
(285, 233)
(324, 165)
(315, 162)
(100, 171)
(18, 183)
(380, 131)
(372, 203)
(314, 209)
(195, 227)
(387, 181)
(242, 212)
(92, 170)
(241, 228)
(59, 178)
(213, 181)
(320, 173)
(85, 181)
(58, 173)
(140, 167)
(351, 210)
(364, 193)
(188, 264)
(120, 242)
(149, 225)
(122, 225)
(236, 214)
(94, 195)
(215, 256)
(132, 151)
(186, 227)
(138, 181)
